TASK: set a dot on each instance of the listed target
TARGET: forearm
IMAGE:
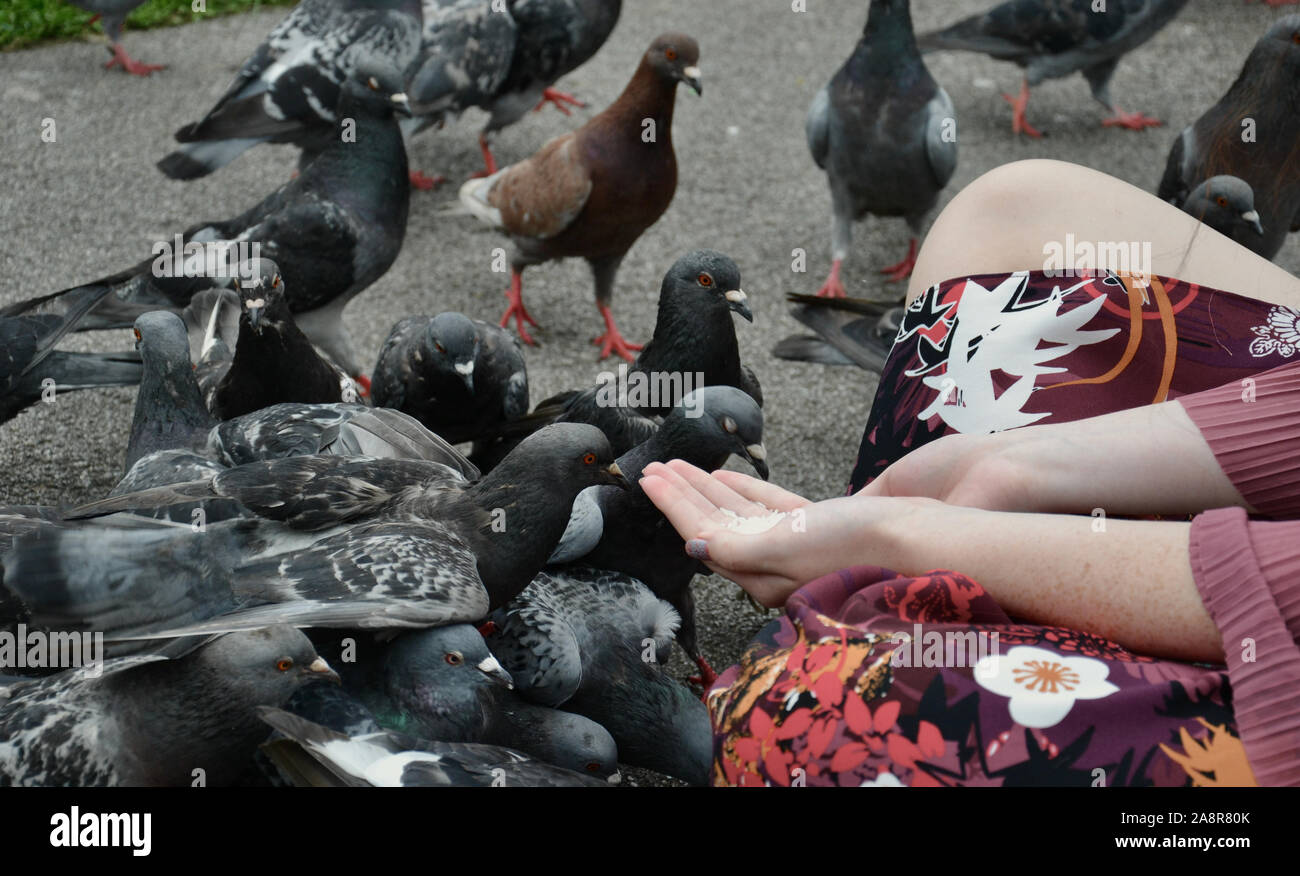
(1130, 581)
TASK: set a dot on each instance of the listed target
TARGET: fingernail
(698, 548)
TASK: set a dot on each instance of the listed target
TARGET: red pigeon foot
(426, 183)
(707, 676)
(1019, 124)
(833, 288)
(489, 162)
(515, 295)
(1132, 121)
(363, 385)
(126, 62)
(612, 341)
(903, 269)
(559, 99)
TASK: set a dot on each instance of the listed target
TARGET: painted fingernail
(698, 548)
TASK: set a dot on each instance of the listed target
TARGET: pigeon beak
(401, 104)
(614, 476)
(737, 298)
(1253, 218)
(496, 672)
(466, 372)
(321, 670)
(757, 456)
(691, 76)
(255, 308)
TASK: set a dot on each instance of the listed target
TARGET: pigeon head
(702, 281)
(452, 342)
(675, 57)
(571, 741)
(444, 657)
(710, 424)
(163, 342)
(573, 454)
(262, 300)
(377, 84)
(1225, 203)
(260, 667)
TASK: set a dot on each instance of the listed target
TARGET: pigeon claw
(833, 288)
(559, 99)
(130, 65)
(489, 161)
(1020, 124)
(516, 309)
(426, 183)
(612, 341)
(903, 269)
(707, 676)
(1133, 121)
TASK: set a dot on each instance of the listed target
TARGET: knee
(1020, 191)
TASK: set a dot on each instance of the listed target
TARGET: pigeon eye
(137, 335)
(730, 425)
(670, 54)
(440, 347)
(1295, 38)
(373, 83)
(454, 658)
(593, 767)
(275, 283)
(284, 664)
(1221, 201)
(704, 280)
(589, 458)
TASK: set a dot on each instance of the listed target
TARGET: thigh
(1010, 218)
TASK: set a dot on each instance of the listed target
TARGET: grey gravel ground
(92, 202)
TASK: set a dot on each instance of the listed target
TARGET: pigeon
(503, 58)
(457, 376)
(591, 642)
(333, 231)
(1250, 134)
(112, 15)
(885, 133)
(849, 331)
(290, 90)
(347, 543)
(273, 361)
(444, 684)
(153, 721)
(385, 759)
(31, 370)
(1051, 39)
(623, 531)
(694, 338)
(1226, 204)
(593, 192)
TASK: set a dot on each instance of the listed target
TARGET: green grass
(28, 22)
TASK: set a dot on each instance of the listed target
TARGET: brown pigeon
(593, 192)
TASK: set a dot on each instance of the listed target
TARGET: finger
(688, 490)
(715, 490)
(767, 494)
(677, 505)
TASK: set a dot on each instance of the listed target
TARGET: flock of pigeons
(299, 579)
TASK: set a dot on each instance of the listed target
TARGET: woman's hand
(811, 540)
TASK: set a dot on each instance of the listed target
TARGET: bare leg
(516, 309)
(1003, 221)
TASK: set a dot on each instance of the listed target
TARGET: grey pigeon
(112, 15)
(152, 721)
(444, 684)
(333, 231)
(503, 57)
(273, 361)
(385, 759)
(350, 543)
(1226, 204)
(289, 90)
(694, 337)
(457, 376)
(590, 642)
(32, 370)
(591, 193)
(1051, 39)
(885, 133)
(623, 531)
(849, 331)
(1250, 134)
